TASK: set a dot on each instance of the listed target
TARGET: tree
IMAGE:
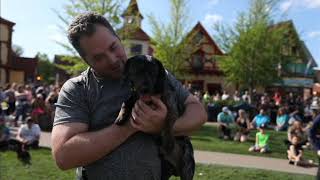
(108, 8)
(168, 39)
(253, 46)
(46, 69)
(17, 50)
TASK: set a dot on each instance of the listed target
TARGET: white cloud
(211, 19)
(314, 34)
(312, 3)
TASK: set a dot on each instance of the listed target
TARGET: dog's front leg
(125, 111)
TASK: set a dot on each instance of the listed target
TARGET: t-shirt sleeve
(219, 117)
(71, 106)
(181, 92)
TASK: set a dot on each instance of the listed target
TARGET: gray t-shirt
(97, 102)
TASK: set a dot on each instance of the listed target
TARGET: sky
(36, 28)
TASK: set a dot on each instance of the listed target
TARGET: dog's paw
(121, 116)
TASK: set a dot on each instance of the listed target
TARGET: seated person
(295, 152)
(260, 119)
(243, 125)
(296, 129)
(225, 118)
(262, 138)
(282, 120)
(29, 133)
(4, 134)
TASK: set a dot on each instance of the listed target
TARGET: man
(29, 133)
(225, 118)
(261, 118)
(246, 97)
(84, 133)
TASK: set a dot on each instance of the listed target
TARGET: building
(61, 75)
(14, 68)
(202, 69)
(135, 40)
(298, 76)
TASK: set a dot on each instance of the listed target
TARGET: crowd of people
(289, 113)
(26, 107)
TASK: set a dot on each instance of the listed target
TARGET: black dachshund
(147, 77)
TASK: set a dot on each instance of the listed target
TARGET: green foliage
(18, 50)
(46, 69)
(227, 102)
(254, 47)
(168, 39)
(74, 65)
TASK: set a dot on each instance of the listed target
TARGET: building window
(197, 63)
(136, 49)
(130, 20)
(198, 37)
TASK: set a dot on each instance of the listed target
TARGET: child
(261, 141)
(295, 152)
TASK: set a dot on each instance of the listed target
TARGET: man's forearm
(192, 119)
(85, 148)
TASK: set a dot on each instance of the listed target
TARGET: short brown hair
(84, 24)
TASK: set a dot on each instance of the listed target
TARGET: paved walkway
(227, 159)
(247, 161)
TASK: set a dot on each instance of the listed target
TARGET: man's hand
(149, 119)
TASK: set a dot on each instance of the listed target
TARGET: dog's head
(145, 74)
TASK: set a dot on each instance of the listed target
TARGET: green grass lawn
(207, 139)
(43, 167)
(212, 172)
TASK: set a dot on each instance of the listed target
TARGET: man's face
(104, 53)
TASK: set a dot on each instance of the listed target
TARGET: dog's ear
(161, 78)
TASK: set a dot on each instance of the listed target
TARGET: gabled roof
(132, 10)
(311, 61)
(5, 21)
(134, 34)
(200, 27)
(289, 25)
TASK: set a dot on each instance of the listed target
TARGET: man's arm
(73, 146)
(192, 118)
(19, 137)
